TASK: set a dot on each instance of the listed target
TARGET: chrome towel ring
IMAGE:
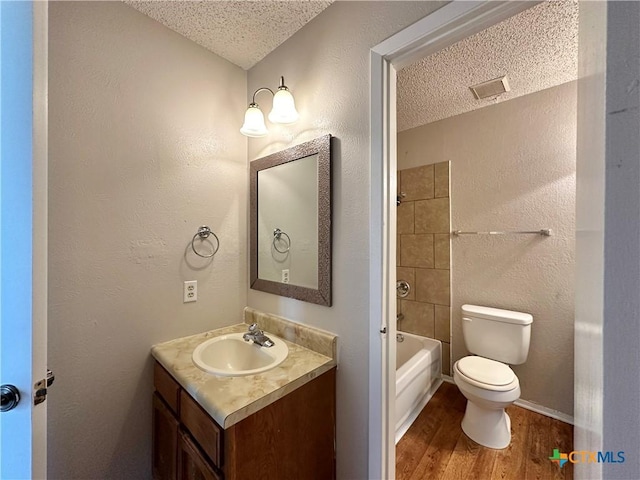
(277, 235)
(204, 232)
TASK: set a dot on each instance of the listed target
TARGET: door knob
(10, 397)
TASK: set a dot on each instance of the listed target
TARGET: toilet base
(488, 427)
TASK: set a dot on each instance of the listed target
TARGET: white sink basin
(231, 356)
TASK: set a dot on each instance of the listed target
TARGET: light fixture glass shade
(254, 122)
(284, 107)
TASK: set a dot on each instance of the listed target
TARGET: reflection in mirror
(288, 223)
(291, 222)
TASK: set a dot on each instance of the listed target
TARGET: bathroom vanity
(275, 425)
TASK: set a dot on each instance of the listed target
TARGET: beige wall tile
(441, 179)
(442, 315)
(409, 275)
(432, 216)
(418, 318)
(417, 183)
(442, 250)
(446, 358)
(432, 286)
(405, 217)
(416, 251)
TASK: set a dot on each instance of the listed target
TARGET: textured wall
(424, 254)
(144, 148)
(326, 66)
(513, 168)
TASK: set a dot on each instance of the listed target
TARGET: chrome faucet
(257, 336)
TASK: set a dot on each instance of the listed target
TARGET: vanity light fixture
(283, 111)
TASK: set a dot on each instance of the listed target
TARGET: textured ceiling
(243, 32)
(536, 49)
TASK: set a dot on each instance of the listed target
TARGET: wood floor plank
(469, 460)
(411, 447)
(438, 453)
(436, 448)
(510, 462)
(561, 437)
(485, 461)
(537, 461)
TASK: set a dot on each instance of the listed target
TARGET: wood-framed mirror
(290, 230)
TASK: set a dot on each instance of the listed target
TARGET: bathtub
(418, 376)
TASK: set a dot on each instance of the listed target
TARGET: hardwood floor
(436, 448)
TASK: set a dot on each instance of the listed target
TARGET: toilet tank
(497, 334)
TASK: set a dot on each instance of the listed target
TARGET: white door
(22, 235)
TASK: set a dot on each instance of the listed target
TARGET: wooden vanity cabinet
(166, 429)
(192, 464)
(293, 438)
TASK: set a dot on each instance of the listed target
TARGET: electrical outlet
(190, 291)
(285, 276)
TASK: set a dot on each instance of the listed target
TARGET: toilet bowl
(489, 388)
(497, 338)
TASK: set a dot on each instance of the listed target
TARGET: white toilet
(497, 338)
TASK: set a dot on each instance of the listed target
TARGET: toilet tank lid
(497, 314)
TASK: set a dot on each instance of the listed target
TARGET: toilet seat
(486, 374)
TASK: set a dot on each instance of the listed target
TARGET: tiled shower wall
(424, 254)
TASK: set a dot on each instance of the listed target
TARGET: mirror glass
(288, 222)
(291, 222)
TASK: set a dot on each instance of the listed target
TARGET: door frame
(445, 26)
(40, 228)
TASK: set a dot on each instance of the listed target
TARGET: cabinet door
(203, 429)
(165, 441)
(192, 465)
(166, 387)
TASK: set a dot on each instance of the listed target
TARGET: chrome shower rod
(545, 232)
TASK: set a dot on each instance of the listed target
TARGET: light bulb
(284, 107)
(254, 122)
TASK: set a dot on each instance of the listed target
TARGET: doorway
(436, 31)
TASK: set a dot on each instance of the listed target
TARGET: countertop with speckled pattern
(231, 399)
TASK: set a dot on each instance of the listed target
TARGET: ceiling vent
(491, 88)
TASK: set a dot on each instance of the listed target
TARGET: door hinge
(40, 388)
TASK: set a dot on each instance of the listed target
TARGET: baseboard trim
(548, 412)
(534, 407)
